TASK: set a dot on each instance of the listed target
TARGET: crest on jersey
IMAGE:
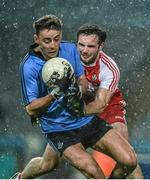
(94, 77)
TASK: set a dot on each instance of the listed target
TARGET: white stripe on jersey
(109, 73)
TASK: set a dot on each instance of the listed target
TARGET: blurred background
(127, 24)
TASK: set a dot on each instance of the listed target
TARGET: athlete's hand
(59, 89)
(34, 120)
(56, 92)
(75, 104)
(90, 93)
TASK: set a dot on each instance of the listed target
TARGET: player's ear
(36, 39)
(60, 34)
(101, 46)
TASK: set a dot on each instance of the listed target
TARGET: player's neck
(38, 50)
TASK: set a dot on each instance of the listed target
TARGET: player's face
(49, 41)
(88, 47)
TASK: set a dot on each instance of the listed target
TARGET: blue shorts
(87, 135)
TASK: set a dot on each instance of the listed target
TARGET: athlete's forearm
(98, 105)
(94, 107)
(38, 106)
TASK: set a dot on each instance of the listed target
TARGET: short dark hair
(47, 22)
(92, 29)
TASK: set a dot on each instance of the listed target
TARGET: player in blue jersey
(67, 134)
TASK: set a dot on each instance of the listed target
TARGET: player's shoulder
(27, 59)
(32, 56)
(106, 59)
(30, 61)
(103, 55)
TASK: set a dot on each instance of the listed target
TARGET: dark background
(127, 24)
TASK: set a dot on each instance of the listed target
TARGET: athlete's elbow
(30, 112)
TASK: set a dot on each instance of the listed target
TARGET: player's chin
(84, 59)
(52, 55)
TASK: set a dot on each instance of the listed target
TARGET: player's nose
(85, 49)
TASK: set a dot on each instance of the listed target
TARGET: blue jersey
(56, 117)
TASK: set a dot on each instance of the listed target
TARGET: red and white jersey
(104, 73)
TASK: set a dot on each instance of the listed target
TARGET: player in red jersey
(103, 75)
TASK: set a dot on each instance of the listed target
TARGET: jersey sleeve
(109, 76)
(29, 83)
